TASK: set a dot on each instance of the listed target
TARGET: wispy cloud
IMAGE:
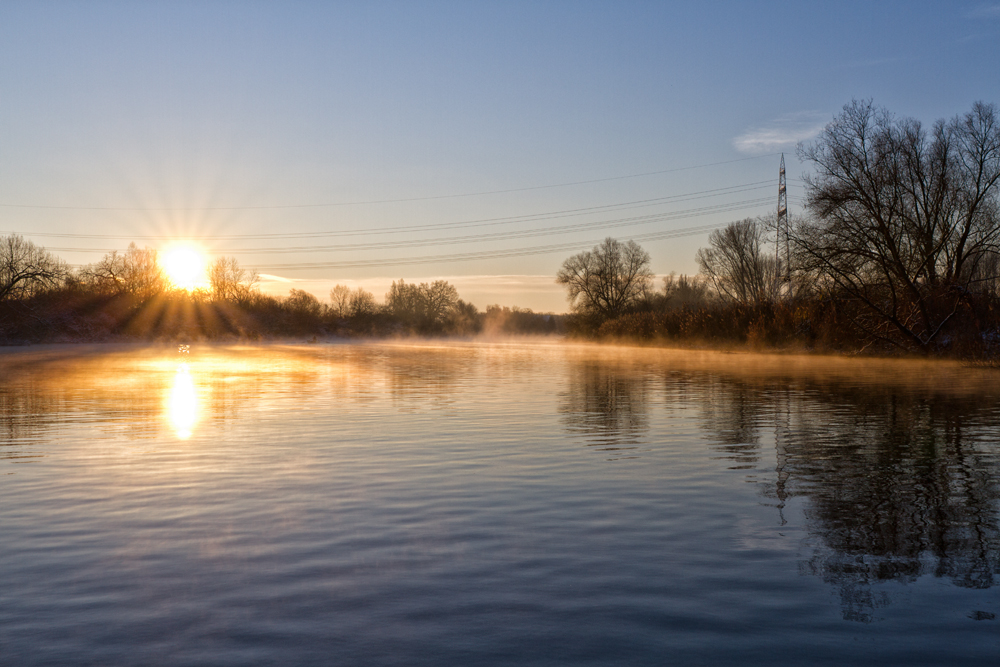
(984, 11)
(783, 132)
(985, 16)
(874, 62)
(267, 277)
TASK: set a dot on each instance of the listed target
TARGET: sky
(481, 143)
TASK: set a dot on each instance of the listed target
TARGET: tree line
(127, 295)
(898, 249)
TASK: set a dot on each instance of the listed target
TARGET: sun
(185, 267)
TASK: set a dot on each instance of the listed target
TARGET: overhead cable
(480, 222)
(194, 209)
(475, 238)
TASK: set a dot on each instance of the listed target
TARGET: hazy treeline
(690, 310)
(898, 250)
(805, 314)
(127, 295)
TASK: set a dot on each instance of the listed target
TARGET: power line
(505, 236)
(480, 222)
(487, 254)
(478, 238)
(196, 209)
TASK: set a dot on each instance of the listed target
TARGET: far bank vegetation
(898, 251)
(126, 296)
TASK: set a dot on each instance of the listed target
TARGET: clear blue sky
(223, 119)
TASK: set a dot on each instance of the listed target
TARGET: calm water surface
(477, 504)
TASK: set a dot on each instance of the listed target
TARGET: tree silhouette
(608, 280)
(901, 219)
(26, 268)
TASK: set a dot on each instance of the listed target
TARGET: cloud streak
(782, 133)
(985, 11)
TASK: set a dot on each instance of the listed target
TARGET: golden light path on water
(182, 403)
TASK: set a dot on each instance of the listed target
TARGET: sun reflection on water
(182, 407)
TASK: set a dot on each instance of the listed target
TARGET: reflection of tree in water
(732, 412)
(898, 485)
(901, 489)
(22, 413)
(606, 403)
(41, 393)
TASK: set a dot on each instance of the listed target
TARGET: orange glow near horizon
(185, 267)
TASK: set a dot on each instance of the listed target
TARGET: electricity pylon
(782, 226)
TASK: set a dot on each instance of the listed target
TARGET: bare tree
(439, 299)
(403, 300)
(143, 274)
(106, 276)
(739, 264)
(684, 290)
(230, 282)
(608, 280)
(902, 218)
(362, 303)
(340, 301)
(424, 306)
(303, 303)
(135, 271)
(26, 268)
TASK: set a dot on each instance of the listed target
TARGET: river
(530, 503)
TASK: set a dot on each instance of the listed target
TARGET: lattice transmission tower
(782, 226)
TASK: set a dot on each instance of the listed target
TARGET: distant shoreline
(72, 347)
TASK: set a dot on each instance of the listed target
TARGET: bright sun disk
(185, 267)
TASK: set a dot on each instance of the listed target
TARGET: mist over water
(495, 504)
